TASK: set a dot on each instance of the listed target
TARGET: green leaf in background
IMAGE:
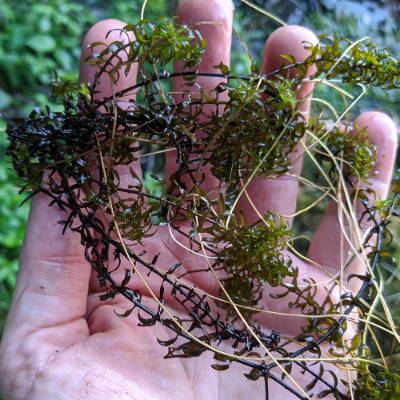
(5, 99)
(41, 43)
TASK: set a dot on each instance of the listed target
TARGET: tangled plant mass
(246, 127)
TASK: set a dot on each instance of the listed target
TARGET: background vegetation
(40, 37)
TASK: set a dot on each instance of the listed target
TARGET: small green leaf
(41, 43)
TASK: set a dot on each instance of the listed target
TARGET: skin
(61, 343)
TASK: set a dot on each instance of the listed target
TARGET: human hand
(60, 342)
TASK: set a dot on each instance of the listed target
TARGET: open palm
(61, 343)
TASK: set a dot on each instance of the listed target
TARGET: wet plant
(76, 157)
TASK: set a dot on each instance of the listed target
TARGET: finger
(279, 195)
(328, 248)
(108, 31)
(218, 36)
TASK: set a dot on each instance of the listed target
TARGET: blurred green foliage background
(40, 37)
